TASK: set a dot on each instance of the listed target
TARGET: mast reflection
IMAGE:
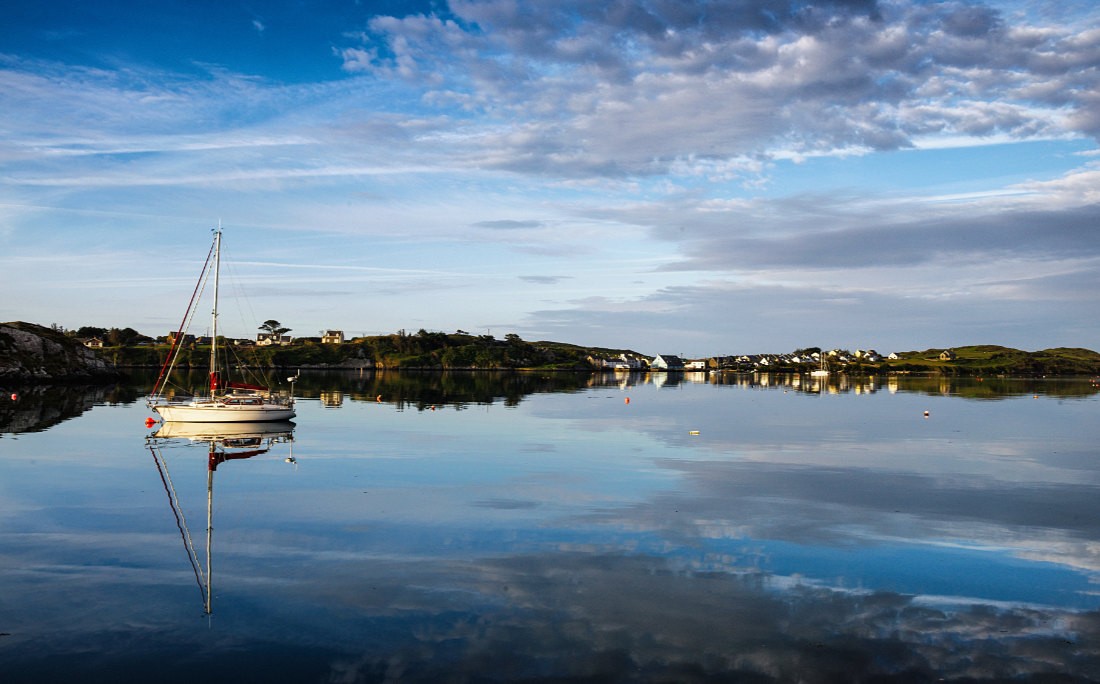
(224, 442)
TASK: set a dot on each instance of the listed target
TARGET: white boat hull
(218, 412)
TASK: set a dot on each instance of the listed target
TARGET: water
(478, 527)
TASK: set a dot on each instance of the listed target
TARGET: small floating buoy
(693, 432)
(627, 400)
(926, 414)
(149, 422)
(378, 398)
(14, 396)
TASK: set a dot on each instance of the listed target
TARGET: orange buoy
(149, 422)
(14, 396)
(627, 400)
(378, 398)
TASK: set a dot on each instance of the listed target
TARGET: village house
(93, 343)
(187, 339)
(868, 355)
(333, 337)
(947, 355)
(622, 363)
(602, 363)
(268, 339)
(667, 362)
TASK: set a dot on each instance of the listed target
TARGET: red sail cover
(216, 383)
(217, 458)
(246, 386)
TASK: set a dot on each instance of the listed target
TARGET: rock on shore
(32, 353)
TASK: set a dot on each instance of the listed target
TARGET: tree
(85, 331)
(117, 337)
(274, 328)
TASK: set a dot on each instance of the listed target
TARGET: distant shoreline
(34, 353)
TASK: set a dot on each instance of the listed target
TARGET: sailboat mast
(214, 382)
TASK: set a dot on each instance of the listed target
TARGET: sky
(698, 178)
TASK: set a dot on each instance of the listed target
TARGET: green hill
(987, 359)
(422, 350)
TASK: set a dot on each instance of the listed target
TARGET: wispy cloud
(508, 224)
(543, 279)
(656, 160)
(635, 88)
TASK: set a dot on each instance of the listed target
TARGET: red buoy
(149, 422)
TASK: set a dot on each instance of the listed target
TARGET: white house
(333, 337)
(268, 339)
(869, 355)
(666, 362)
(623, 363)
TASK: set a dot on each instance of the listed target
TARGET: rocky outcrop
(32, 353)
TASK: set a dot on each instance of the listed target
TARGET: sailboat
(823, 370)
(228, 401)
(224, 443)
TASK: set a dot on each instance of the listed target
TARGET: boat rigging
(228, 401)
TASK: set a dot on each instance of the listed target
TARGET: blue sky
(731, 176)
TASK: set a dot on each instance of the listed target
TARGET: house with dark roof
(666, 362)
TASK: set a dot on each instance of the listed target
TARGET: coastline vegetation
(424, 350)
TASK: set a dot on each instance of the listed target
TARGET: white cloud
(634, 91)
(648, 147)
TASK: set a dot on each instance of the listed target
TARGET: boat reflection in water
(225, 442)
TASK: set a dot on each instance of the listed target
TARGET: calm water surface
(461, 528)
